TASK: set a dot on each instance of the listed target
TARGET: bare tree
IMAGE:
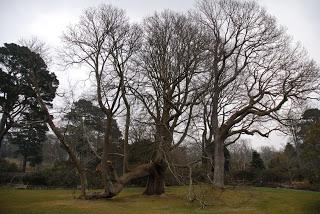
(37, 46)
(167, 82)
(126, 43)
(104, 41)
(240, 155)
(255, 72)
(267, 153)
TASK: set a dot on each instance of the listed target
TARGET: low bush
(6, 166)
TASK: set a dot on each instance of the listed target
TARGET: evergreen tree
(18, 66)
(256, 161)
(85, 131)
(29, 136)
(311, 154)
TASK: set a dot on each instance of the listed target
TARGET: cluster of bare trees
(225, 69)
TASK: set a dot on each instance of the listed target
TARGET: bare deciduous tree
(240, 155)
(38, 46)
(168, 82)
(104, 41)
(255, 73)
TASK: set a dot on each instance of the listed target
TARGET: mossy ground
(231, 200)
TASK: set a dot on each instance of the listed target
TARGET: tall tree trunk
(204, 144)
(24, 163)
(1, 139)
(4, 127)
(297, 146)
(126, 135)
(204, 160)
(218, 178)
(60, 136)
(2, 133)
(83, 183)
(106, 181)
(218, 174)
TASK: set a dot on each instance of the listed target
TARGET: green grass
(238, 200)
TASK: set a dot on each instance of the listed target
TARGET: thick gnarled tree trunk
(218, 177)
(156, 179)
(120, 182)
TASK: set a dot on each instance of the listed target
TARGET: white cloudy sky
(46, 19)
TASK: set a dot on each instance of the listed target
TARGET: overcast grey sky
(47, 19)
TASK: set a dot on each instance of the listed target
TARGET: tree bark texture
(4, 127)
(156, 179)
(120, 182)
(218, 178)
(126, 135)
(106, 150)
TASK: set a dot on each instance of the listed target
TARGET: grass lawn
(238, 200)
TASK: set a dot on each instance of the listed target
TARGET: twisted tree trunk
(156, 179)
(120, 182)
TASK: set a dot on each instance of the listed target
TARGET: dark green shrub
(37, 178)
(243, 175)
(62, 174)
(6, 166)
(273, 175)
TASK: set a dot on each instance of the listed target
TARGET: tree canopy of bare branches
(228, 60)
(167, 83)
(256, 73)
(104, 41)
